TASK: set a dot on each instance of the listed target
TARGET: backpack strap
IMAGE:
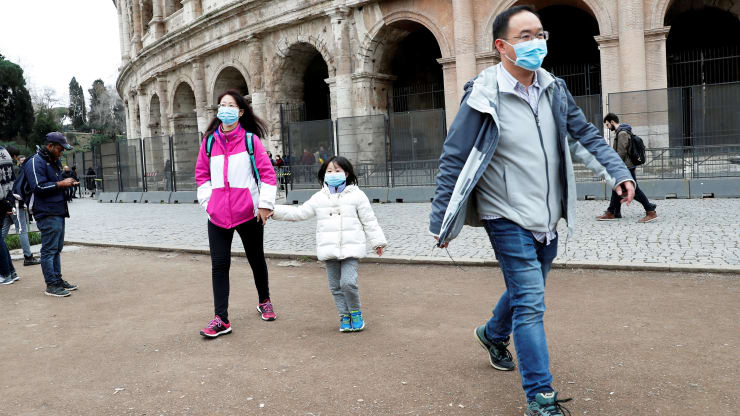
(250, 149)
(209, 145)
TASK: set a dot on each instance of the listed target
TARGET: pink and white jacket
(227, 188)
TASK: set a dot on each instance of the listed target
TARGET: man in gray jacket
(507, 165)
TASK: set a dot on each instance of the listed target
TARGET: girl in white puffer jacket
(345, 222)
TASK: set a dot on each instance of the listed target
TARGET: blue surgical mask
(335, 178)
(229, 115)
(529, 54)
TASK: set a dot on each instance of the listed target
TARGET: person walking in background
(621, 146)
(237, 188)
(49, 206)
(90, 180)
(20, 217)
(8, 274)
(76, 188)
(345, 222)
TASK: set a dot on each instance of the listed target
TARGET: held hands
(626, 190)
(263, 214)
(379, 250)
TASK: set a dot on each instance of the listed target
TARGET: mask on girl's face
(529, 54)
(335, 178)
(228, 115)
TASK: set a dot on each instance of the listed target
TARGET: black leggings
(219, 239)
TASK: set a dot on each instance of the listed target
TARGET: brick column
(464, 44)
(123, 34)
(158, 18)
(343, 58)
(201, 101)
(163, 105)
(452, 99)
(632, 45)
(143, 112)
(133, 100)
(136, 39)
(610, 70)
(657, 82)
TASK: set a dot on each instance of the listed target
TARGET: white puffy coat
(343, 221)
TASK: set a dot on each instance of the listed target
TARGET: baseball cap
(56, 137)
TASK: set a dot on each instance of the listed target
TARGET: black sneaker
(547, 404)
(498, 355)
(31, 261)
(57, 291)
(68, 286)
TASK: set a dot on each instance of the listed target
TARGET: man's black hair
(611, 117)
(501, 22)
(342, 163)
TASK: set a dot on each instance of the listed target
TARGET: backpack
(21, 188)
(250, 150)
(636, 149)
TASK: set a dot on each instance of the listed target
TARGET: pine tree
(77, 108)
(16, 109)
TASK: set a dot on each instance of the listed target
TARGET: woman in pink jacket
(238, 193)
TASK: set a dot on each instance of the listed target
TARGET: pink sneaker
(265, 310)
(216, 328)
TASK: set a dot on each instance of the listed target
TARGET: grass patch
(13, 240)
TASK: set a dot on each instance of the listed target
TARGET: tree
(16, 110)
(77, 108)
(47, 116)
(107, 113)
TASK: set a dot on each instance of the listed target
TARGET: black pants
(219, 239)
(615, 205)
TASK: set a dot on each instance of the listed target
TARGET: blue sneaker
(345, 325)
(546, 404)
(358, 324)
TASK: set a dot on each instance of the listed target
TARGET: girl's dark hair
(248, 120)
(342, 163)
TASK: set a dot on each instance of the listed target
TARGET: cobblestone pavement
(693, 232)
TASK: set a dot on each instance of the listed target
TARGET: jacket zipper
(547, 168)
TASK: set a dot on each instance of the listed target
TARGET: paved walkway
(691, 232)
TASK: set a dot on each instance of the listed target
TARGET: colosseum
(381, 79)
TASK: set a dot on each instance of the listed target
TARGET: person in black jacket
(49, 207)
(20, 217)
(8, 274)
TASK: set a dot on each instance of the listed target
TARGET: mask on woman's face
(228, 115)
(335, 178)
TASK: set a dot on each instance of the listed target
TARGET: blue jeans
(52, 243)
(524, 263)
(21, 227)
(6, 264)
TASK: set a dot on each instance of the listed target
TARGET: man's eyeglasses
(544, 35)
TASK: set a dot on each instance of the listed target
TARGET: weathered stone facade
(178, 55)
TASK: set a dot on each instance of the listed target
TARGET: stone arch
(230, 75)
(301, 81)
(155, 115)
(607, 22)
(184, 108)
(171, 86)
(373, 43)
(284, 47)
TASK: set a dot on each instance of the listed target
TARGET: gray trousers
(343, 284)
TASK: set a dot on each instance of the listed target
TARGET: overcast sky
(54, 40)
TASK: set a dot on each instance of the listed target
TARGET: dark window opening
(315, 90)
(419, 84)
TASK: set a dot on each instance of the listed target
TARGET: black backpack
(21, 188)
(636, 149)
